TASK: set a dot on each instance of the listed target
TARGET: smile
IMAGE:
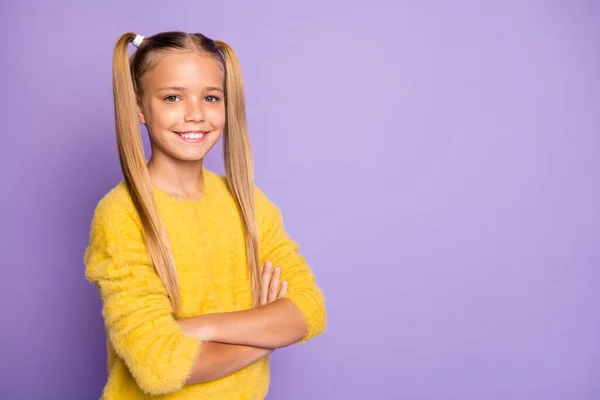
(192, 137)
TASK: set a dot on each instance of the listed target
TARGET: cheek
(165, 117)
(217, 117)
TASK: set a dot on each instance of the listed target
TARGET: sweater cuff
(313, 313)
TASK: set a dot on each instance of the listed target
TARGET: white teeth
(192, 135)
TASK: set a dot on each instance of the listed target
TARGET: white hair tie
(138, 40)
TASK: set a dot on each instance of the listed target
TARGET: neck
(181, 179)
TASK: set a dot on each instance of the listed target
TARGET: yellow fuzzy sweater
(148, 355)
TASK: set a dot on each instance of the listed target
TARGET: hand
(269, 284)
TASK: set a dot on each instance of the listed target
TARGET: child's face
(183, 105)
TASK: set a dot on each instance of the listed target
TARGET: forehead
(187, 69)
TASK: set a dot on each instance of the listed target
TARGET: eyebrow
(181, 88)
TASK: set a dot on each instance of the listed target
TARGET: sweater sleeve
(282, 251)
(137, 312)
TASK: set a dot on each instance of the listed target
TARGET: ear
(140, 112)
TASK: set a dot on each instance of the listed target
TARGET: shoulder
(262, 200)
(115, 227)
(268, 215)
(116, 208)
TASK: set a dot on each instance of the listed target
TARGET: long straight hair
(237, 154)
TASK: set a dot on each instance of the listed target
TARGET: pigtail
(238, 162)
(135, 172)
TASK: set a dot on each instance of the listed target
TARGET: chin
(191, 157)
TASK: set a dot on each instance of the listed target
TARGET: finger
(264, 283)
(261, 300)
(274, 286)
(283, 291)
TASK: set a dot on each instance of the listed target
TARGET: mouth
(192, 136)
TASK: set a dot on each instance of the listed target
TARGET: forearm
(216, 360)
(274, 325)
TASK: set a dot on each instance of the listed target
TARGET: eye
(212, 99)
(171, 99)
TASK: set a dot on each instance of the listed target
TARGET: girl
(176, 251)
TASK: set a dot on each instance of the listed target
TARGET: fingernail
(268, 263)
(277, 269)
(284, 283)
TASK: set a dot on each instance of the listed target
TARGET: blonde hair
(127, 75)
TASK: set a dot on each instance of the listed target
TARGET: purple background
(438, 162)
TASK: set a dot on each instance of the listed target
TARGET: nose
(194, 112)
